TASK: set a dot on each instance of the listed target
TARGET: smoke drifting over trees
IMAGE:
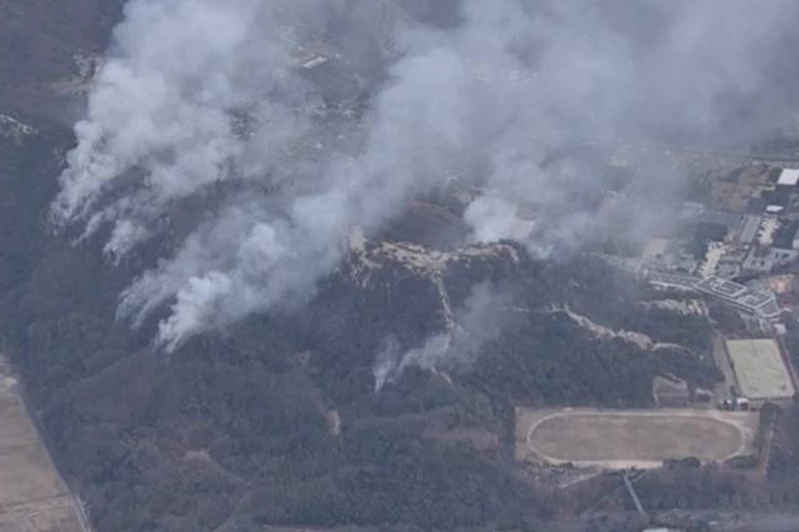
(199, 94)
(480, 321)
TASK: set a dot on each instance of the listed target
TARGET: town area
(727, 251)
(731, 241)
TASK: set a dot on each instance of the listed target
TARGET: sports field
(620, 439)
(760, 369)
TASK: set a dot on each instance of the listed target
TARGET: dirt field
(631, 438)
(32, 496)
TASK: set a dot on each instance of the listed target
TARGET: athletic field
(760, 369)
(620, 439)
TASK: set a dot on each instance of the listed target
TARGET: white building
(788, 178)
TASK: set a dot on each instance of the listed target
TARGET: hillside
(383, 396)
(277, 419)
(39, 44)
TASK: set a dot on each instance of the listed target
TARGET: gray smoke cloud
(198, 93)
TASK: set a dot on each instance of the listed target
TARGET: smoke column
(199, 96)
(480, 321)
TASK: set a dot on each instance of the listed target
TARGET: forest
(276, 422)
(234, 429)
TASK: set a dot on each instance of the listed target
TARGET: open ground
(32, 496)
(761, 373)
(621, 439)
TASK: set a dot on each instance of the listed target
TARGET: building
(667, 255)
(714, 254)
(788, 178)
(758, 302)
(728, 269)
(764, 260)
(755, 301)
(729, 265)
(768, 230)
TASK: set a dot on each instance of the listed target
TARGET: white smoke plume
(479, 321)
(197, 93)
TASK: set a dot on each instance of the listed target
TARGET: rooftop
(760, 302)
(789, 177)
